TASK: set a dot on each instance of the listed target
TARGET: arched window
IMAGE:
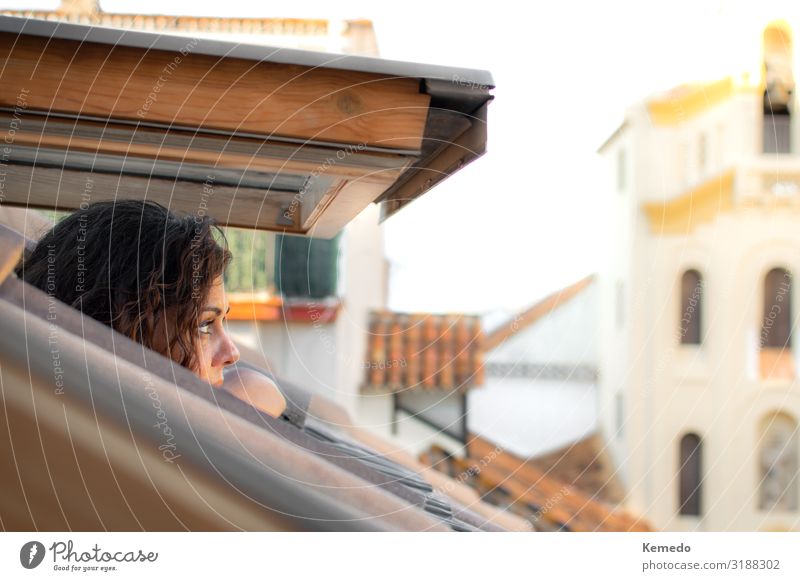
(778, 88)
(691, 304)
(777, 463)
(690, 475)
(776, 329)
(776, 326)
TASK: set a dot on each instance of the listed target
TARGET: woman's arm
(254, 388)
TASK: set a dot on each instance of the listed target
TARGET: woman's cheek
(202, 357)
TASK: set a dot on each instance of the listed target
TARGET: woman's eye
(205, 327)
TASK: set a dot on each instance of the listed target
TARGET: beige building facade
(699, 393)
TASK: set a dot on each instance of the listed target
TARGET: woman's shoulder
(256, 389)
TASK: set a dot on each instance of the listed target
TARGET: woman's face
(214, 347)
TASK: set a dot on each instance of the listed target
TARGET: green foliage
(252, 267)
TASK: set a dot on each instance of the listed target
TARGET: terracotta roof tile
(521, 487)
(423, 351)
(584, 465)
(395, 373)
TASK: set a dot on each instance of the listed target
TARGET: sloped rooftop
(407, 351)
(519, 486)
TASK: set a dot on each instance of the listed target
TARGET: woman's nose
(228, 350)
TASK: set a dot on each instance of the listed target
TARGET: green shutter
(306, 267)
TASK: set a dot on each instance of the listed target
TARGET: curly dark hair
(134, 266)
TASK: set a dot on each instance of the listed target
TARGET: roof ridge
(535, 312)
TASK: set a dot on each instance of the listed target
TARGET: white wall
(528, 417)
(567, 335)
(362, 273)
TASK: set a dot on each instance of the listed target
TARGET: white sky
(526, 218)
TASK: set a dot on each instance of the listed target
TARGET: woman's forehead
(216, 296)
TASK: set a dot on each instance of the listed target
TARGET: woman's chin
(216, 382)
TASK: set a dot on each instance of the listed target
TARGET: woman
(154, 277)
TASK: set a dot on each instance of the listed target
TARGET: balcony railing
(768, 180)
